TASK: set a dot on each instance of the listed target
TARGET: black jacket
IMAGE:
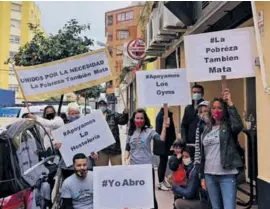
(189, 123)
(170, 133)
(114, 119)
(230, 157)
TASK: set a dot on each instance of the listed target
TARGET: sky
(54, 14)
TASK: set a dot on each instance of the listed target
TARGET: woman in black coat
(163, 150)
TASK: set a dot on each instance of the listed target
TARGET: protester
(187, 194)
(220, 160)
(113, 152)
(139, 139)
(202, 112)
(176, 165)
(165, 150)
(50, 121)
(77, 190)
(190, 118)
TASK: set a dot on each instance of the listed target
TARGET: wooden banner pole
(26, 103)
(166, 111)
(224, 83)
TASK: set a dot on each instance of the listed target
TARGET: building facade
(121, 26)
(250, 95)
(14, 32)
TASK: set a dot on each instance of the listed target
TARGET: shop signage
(136, 49)
(229, 53)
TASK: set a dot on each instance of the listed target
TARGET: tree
(66, 43)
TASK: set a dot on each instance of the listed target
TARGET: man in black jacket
(190, 118)
(165, 148)
(113, 152)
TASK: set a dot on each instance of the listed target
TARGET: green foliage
(93, 92)
(66, 43)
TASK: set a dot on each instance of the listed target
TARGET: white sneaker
(162, 187)
(166, 182)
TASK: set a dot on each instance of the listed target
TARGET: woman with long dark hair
(220, 160)
(139, 139)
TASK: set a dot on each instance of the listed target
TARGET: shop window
(109, 20)
(15, 23)
(109, 36)
(124, 17)
(14, 39)
(123, 34)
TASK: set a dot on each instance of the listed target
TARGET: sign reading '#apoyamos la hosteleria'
(229, 53)
(88, 134)
(65, 76)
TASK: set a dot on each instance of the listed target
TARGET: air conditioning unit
(159, 39)
(169, 22)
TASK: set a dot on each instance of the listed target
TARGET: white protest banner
(133, 185)
(229, 53)
(35, 174)
(65, 76)
(159, 87)
(88, 134)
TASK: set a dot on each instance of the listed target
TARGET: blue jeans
(222, 191)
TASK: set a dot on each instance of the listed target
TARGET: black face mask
(50, 116)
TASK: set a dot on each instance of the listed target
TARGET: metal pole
(60, 104)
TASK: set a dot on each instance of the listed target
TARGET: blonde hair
(73, 106)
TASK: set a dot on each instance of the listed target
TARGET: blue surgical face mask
(103, 108)
(73, 118)
(197, 96)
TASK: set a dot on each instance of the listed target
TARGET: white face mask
(103, 108)
(187, 161)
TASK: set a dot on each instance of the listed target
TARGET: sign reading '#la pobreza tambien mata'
(65, 76)
(229, 53)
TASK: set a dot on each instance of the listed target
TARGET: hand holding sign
(227, 97)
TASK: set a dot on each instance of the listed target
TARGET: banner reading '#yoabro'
(212, 55)
(88, 134)
(65, 76)
(133, 185)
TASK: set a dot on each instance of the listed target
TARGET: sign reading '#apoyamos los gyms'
(211, 55)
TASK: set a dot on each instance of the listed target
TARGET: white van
(21, 112)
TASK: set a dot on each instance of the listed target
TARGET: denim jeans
(222, 191)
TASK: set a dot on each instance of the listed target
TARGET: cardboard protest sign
(88, 134)
(65, 76)
(133, 185)
(159, 87)
(211, 55)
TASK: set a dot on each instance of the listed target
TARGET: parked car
(25, 165)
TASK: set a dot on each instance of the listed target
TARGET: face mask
(50, 116)
(217, 115)
(197, 96)
(187, 161)
(103, 108)
(139, 123)
(81, 173)
(73, 118)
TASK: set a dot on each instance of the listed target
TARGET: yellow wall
(4, 42)
(263, 99)
(29, 14)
